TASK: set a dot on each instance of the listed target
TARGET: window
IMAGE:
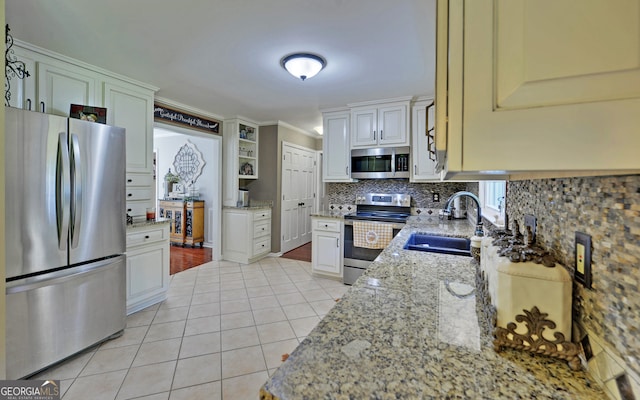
(493, 198)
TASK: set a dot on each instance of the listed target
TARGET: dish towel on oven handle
(371, 235)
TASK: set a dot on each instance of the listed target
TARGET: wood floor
(302, 253)
(182, 258)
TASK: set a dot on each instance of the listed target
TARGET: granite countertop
(409, 328)
(252, 206)
(139, 223)
(328, 214)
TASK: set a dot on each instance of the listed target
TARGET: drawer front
(261, 246)
(138, 194)
(137, 208)
(262, 215)
(261, 229)
(327, 225)
(145, 237)
(139, 180)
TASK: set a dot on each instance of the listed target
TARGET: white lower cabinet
(326, 250)
(246, 234)
(147, 265)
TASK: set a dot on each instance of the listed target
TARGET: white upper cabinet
(538, 86)
(422, 146)
(131, 108)
(59, 86)
(380, 125)
(336, 154)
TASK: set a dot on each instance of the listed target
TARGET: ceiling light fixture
(303, 65)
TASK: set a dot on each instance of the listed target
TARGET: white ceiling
(223, 56)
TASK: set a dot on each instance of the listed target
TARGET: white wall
(167, 140)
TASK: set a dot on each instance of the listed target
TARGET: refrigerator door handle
(63, 191)
(76, 190)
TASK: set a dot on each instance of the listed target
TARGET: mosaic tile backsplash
(608, 209)
(344, 194)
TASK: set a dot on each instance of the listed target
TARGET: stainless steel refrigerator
(65, 237)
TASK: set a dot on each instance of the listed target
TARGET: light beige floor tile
(303, 326)
(130, 336)
(65, 384)
(196, 345)
(273, 352)
(268, 315)
(284, 288)
(180, 291)
(307, 285)
(259, 291)
(140, 318)
(205, 287)
(242, 361)
(157, 396)
(168, 330)
(241, 337)
(204, 310)
(146, 380)
(197, 370)
(234, 284)
(156, 352)
(233, 306)
(234, 275)
(236, 320)
(97, 387)
(175, 301)
(171, 315)
(300, 277)
(69, 369)
(298, 311)
(316, 295)
(275, 332)
(275, 281)
(258, 303)
(197, 326)
(323, 306)
(244, 387)
(205, 298)
(255, 282)
(255, 273)
(207, 391)
(290, 298)
(233, 294)
(110, 360)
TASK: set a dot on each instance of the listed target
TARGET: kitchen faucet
(447, 209)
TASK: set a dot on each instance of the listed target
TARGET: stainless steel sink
(439, 244)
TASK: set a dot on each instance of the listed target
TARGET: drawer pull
(326, 225)
(129, 194)
(146, 236)
(129, 180)
(128, 210)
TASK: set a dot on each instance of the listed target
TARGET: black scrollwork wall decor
(188, 163)
(12, 66)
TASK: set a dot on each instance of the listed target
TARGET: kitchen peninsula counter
(409, 328)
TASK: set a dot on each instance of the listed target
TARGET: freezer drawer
(57, 315)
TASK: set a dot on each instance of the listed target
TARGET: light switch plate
(583, 259)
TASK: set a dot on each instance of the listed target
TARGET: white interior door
(298, 195)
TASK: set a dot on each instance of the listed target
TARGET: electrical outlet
(530, 221)
(436, 197)
(583, 259)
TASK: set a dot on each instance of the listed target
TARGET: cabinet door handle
(374, 135)
(29, 104)
(337, 242)
(326, 225)
(380, 134)
(42, 106)
(346, 170)
(415, 169)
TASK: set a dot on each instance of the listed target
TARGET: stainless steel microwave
(380, 163)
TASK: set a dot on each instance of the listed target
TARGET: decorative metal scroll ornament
(521, 249)
(188, 163)
(534, 341)
(12, 67)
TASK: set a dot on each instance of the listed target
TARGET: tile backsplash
(421, 193)
(607, 209)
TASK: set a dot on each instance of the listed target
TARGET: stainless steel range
(373, 208)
